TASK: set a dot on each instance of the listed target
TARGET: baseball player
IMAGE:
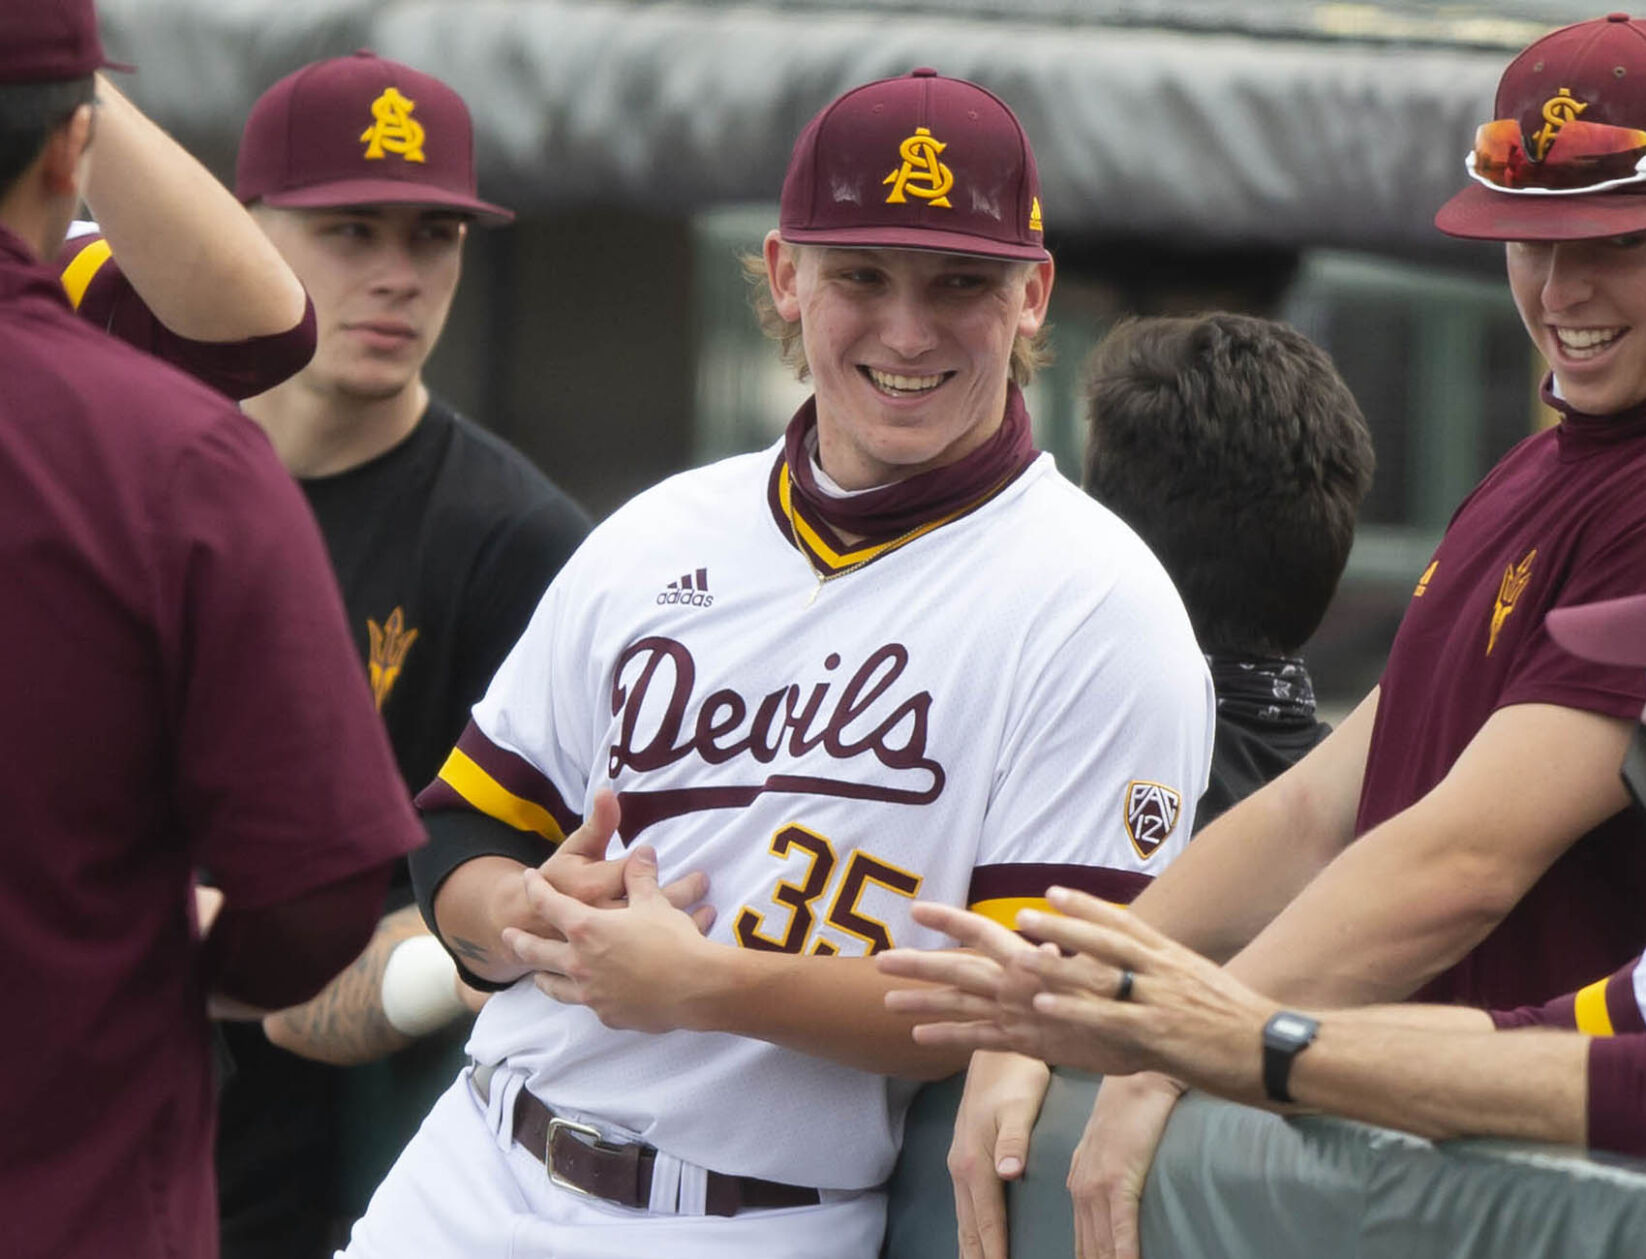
(1463, 834)
(922, 663)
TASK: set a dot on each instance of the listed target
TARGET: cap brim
(915, 238)
(1609, 632)
(1478, 213)
(356, 192)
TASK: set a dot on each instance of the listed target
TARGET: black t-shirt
(443, 547)
(1248, 751)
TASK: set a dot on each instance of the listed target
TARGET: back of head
(49, 50)
(361, 130)
(1234, 449)
(1564, 156)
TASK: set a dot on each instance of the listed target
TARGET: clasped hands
(602, 933)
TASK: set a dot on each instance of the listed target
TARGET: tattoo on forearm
(468, 949)
(345, 1024)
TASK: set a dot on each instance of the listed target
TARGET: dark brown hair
(1233, 447)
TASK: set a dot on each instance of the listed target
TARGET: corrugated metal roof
(1224, 120)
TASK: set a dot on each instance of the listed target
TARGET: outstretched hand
(1062, 999)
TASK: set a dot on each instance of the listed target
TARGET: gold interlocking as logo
(1558, 110)
(393, 130)
(1509, 590)
(390, 642)
(921, 174)
(1152, 810)
(1035, 225)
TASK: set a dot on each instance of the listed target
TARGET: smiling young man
(1463, 835)
(913, 659)
(361, 172)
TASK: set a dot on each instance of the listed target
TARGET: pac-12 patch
(1152, 810)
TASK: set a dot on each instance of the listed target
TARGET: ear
(1037, 296)
(61, 161)
(781, 265)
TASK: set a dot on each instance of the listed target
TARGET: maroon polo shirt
(1561, 520)
(177, 690)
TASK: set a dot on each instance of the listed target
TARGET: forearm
(1382, 920)
(477, 900)
(346, 1024)
(1438, 1071)
(191, 251)
(829, 1007)
(1437, 1083)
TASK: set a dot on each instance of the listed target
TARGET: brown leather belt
(577, 1158)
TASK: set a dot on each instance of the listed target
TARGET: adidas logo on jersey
(691, 590)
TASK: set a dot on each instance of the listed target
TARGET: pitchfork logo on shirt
(1152, 810)
(1515, 579)
(390, 642)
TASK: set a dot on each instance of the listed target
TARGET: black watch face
(1291, 1028)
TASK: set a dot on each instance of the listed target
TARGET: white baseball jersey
(1014, 698)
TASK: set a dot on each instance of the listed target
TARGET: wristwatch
(1285, 1035)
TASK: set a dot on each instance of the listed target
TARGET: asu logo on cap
(921, 174)
(393, 128)
(1558, 110)
(1152, 810)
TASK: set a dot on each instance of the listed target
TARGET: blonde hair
(1029, 354)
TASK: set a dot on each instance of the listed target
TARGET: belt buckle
(557, 1125)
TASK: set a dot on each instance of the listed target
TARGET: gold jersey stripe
(78, 275)
(863, 554)
(1003, 909)
(1590, 1009)
(485, 793)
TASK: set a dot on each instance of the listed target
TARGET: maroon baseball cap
(1565, 157)
(50, 41)
(360, 130)
(916, 162)
(1610, 632)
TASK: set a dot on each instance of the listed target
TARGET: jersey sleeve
(1607, 1007)
(1617, 1094)
(285, 779)
(1545, 672)
(1108, 752)
(100, 292)
(1613, 1012)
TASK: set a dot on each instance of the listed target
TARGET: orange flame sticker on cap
(921, 174)
(1558, 110)
(394, 129)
